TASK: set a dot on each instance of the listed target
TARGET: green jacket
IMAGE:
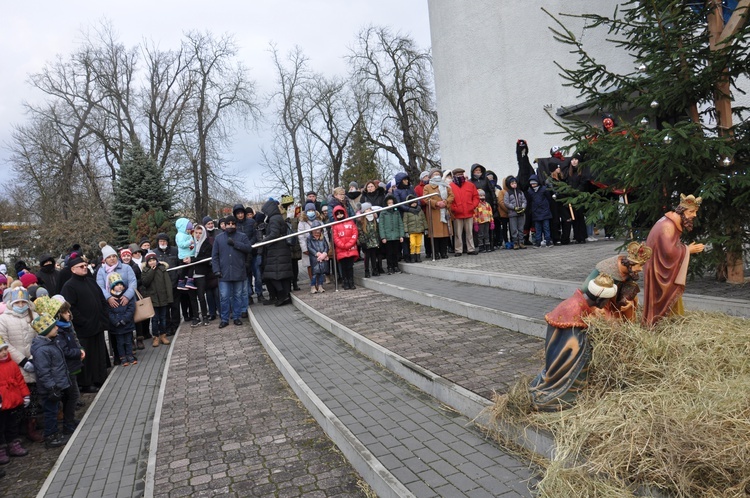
(157, 285)
(415, 221)
(390, 224)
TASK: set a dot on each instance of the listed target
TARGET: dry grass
(667, 409)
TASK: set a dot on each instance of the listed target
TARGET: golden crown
(690, 201)
(639, 253)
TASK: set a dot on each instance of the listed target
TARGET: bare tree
(222, 94)
(64, 124)
(394, 86)
(114, 95)
(165, 99)
(295, 103)
(179, 105)
(332, 121)
(278, 162)
(55, 202)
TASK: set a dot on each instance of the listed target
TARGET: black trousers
(173, 312)
(501, 231)
(295, 271)
(9, 420)
(200, 297)
(372, 258)
(392, 250)
(347, 268)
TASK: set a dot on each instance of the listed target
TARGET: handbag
(144, 308)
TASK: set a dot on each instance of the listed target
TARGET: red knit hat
(28, 279)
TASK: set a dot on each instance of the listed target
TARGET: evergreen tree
(149, 224)
(361, 164)
(140, 188)
(674, 115)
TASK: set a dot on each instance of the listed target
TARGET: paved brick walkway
(429, 451)
(108, 454)
(230, 426)
(480, 357)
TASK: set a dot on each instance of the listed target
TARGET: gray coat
(514, 198)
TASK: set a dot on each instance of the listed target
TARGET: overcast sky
(33, 34)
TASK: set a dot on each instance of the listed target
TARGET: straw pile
(667, 410)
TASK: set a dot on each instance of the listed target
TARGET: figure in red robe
(666, 272)
(567, 350)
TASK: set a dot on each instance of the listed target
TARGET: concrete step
(517, 311)
(466, 402)
(560, 289)
(400, 440)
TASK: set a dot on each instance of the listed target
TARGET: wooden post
(718, 35)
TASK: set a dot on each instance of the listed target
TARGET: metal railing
(330, 243)
(356, 216)
(327, 225)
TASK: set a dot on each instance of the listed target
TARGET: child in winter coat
(121, 321)
(415, 225)
(74, 354)
(391, 230)
(16, 331)
(306, 219)
(158, 286)
(317, 250)
(483, 223)
(515, 201)
(501, 222)
(345, 237)
(185, 251)
(51, 374)
(541, 214)
(14, 396)
(369, 239)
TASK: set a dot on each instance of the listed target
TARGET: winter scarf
(109, 269)
(443, 187)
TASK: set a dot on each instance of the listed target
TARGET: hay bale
(667, 408)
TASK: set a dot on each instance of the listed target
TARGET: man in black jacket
(168, 254)
(246, 225)
(90, 317)
(49, 276)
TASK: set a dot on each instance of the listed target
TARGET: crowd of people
(64, 325)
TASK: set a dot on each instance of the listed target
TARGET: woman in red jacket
(345, 236)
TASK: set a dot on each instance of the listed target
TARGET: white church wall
(495, 74)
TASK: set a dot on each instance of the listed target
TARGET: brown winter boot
(163, 339)
(32, 434)
(155, 342)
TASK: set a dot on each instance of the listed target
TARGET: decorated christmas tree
(678, 127)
